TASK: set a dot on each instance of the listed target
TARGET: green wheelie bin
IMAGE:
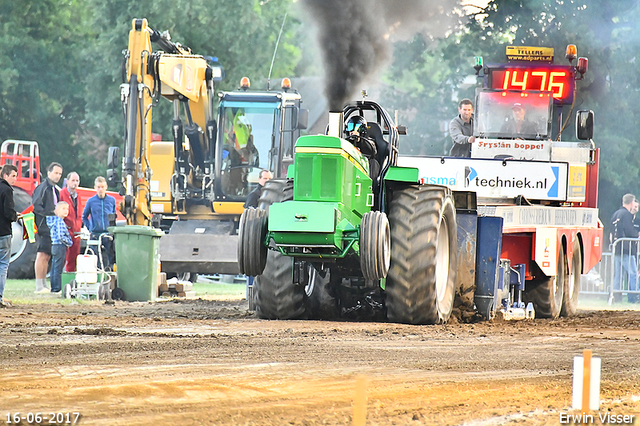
(137, 261)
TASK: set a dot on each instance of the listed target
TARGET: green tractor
(349, 230)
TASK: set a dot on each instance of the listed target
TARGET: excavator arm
(185, 79)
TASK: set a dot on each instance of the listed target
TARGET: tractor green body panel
(402, 174)
(302, 216)
(331, 192)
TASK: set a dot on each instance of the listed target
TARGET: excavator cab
(257, 130)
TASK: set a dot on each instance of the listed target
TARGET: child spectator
(60, 240)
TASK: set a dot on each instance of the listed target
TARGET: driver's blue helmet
(356, 123)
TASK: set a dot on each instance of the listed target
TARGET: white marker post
(586, 382)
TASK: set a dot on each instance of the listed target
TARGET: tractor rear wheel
(23, 253)
(275, 191)
(420, 287)
(546, 293)
(375, 245)
(252, 253)
(572, 283)
(276, 295)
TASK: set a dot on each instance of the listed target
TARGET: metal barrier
(624, 270)
(616, 274)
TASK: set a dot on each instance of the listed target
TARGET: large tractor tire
(252, 253)
(572, 283)
(375, 245)
(420, 287)
(321, 302)
(275, 191)
(23, 253)
(546, 293)
(276, 295)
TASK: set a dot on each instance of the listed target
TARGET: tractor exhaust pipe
(336, 123)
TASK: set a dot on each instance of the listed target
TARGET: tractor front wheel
(420, 287)
(375, 245)
(252, 252)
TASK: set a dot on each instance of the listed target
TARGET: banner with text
(494, 178)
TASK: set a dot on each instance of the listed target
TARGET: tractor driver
(355, 130)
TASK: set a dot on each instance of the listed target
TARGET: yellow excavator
(194, 187)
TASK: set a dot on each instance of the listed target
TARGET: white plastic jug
(87, 269)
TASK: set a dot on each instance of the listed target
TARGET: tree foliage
(41, 97)
(61, 74)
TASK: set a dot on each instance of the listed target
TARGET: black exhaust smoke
(355, 36)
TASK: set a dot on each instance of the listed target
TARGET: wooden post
(360, 402)
(586, 380)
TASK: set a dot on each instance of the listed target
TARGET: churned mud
(197, 362)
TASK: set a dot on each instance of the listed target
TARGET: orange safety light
(286, 84)
(245, 83)
(572, 52)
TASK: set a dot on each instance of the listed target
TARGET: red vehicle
(543, 189)
(25, 155)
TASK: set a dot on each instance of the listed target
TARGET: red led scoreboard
(558, 79)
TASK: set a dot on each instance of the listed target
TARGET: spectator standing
(8, 176)
(461, 130)
(625, 253)
(254, 196)
(60, 240)
(45, 197)
(96, 217)
(73, 219)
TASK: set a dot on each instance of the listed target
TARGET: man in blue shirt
(96, 217)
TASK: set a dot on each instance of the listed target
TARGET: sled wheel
(572, 283)
(546, 293)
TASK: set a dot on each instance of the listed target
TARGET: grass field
(22, 292)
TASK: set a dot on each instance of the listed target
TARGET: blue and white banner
(489, 178)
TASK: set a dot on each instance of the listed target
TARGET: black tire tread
(252, 253)
(276, 296)
(570, 301)
(540, 293)
(414, 216)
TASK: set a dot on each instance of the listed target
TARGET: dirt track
(211, 362)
